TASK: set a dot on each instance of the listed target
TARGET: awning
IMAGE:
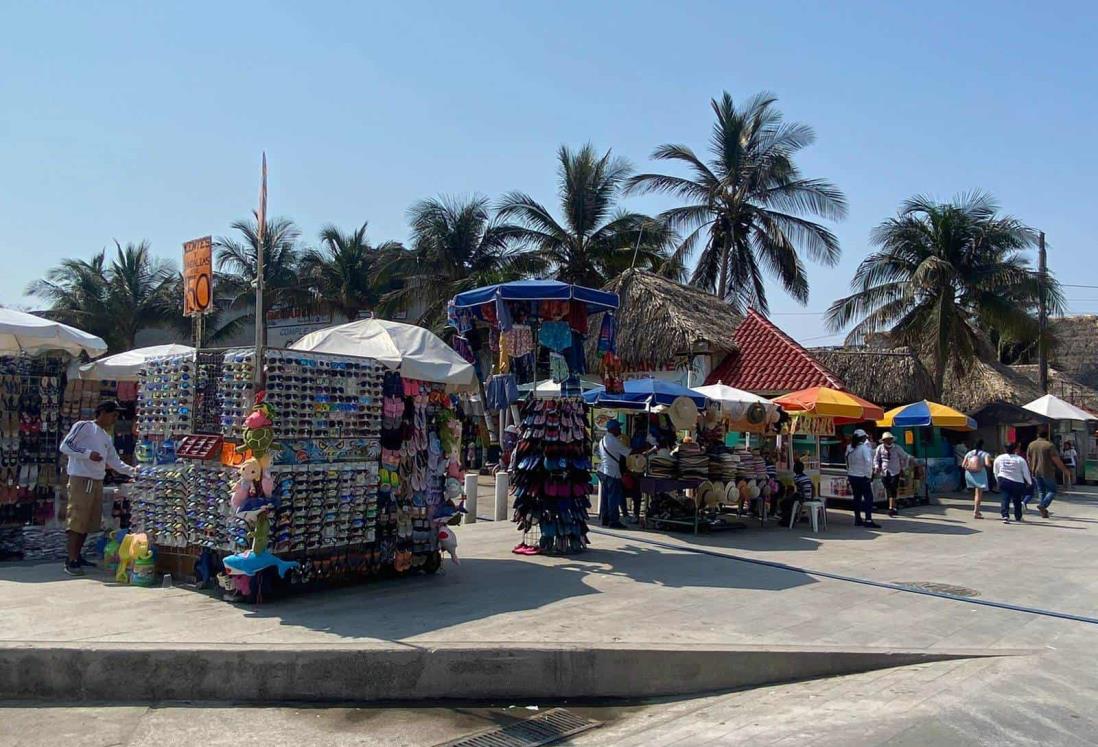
(538, 290)
(826, 402)
(642, 393)
(416, 352)
(125, 366)
(923, 414)
(1054, 408)
(26, 333)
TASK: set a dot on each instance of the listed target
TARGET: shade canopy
(642, 393)
(732, 400)
(549, 389)
(925, 413)
(414, 351)
(26, 333)
(1054, 408)
(125, 366)
(538, 290)
(823, 401)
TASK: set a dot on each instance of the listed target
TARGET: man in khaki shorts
(90, 449)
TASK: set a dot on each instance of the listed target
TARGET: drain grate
(545, 728)
(938, 588)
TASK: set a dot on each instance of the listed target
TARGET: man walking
(611, 454)
(889, 461)
(1043, 461)
(90, 449)
(859, 472)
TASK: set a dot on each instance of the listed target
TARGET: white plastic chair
(817, 513)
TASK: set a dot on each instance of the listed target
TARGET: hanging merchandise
(552, 475)
(608, 332)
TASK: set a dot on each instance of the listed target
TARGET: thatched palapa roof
(984, 383)
(1063, 386)
(659, 319)
(1076, 350)
(885, 377)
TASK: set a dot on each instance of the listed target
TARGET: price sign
(197, 276)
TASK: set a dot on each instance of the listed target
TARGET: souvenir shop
(522, 333)
(699, 460)
(341, 468)
(34, 355)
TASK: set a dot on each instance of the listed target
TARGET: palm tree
(456, 246)
(942, 276)
(749, 203)
(236, 262)
(343, 276)
(596, 240)
(115, 301)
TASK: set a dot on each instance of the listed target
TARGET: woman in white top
(1013, 475)
(975, 464)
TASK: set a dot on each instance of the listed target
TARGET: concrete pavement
(629, 591)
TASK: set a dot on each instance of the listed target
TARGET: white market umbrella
(125, 366)
(416, 352)
(734, 401)
(1054, 408)
(26, 333)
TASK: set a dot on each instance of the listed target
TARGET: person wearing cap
(612, 452)
(889, 461)
(90, 449)
(859, 473)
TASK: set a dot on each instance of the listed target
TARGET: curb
(409, 672)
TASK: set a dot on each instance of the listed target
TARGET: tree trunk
(722, 285)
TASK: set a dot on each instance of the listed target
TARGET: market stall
(341, 468)
(923, 414)
(1074, 424)
(526, 332)
(34, 354)
(815, 414)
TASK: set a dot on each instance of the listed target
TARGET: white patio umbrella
(416, 352)
(26, 333)
(1055, 408)
(734, 401)
(125, 366)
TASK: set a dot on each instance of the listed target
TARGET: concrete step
(368, 672)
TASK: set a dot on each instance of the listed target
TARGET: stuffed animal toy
(447, 542)
(258, 431)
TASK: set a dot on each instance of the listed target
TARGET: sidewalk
(627, 590)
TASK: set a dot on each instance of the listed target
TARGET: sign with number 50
(198, 276)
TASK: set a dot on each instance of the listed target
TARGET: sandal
(977, 515)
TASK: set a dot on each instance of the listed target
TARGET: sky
(134, 121)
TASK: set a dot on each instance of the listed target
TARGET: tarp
(732, 400)
(538, 290)
(549, 389)
(925, 413)
(26, 333)
(1054, 408)
(125, 366)
(640, 393)
(414, 351)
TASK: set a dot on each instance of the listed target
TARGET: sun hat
(683, 413)
(860, 433)
(886, 436)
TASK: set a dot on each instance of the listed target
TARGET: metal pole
(1042, 318)
(260, 315)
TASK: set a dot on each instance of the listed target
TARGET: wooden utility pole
(1042, 314)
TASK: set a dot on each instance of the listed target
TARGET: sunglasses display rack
(553, 476)
(165, 396)
(31, 395)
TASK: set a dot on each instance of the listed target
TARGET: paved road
(628, 589)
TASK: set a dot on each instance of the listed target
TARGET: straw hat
(636, 463)
(683, 413)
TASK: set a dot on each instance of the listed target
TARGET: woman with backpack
(975, 465)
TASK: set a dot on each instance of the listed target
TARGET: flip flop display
(552, 475)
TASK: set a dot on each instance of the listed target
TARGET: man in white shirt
(889, 461)
(859, 472)
(611, 452)
(90, 449)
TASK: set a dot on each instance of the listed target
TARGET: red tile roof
(770, 362)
